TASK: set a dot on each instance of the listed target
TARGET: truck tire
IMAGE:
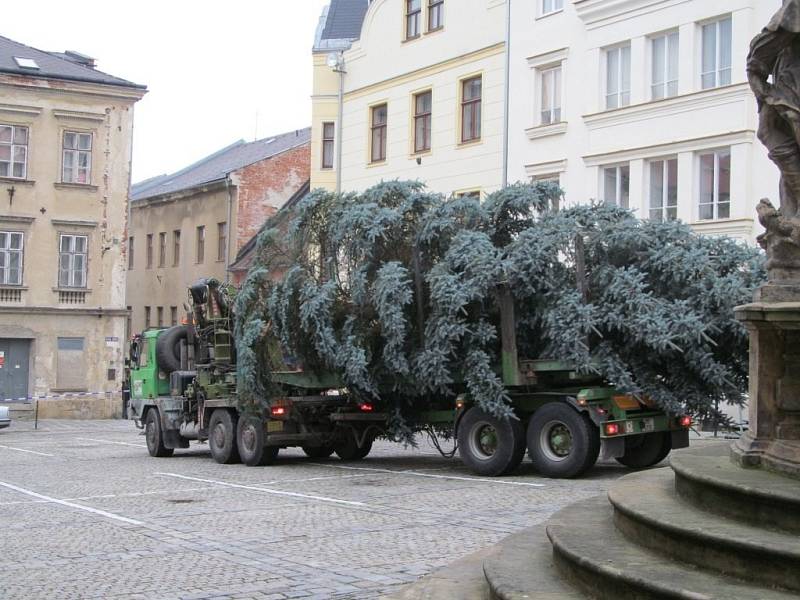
(646, 450)
(168, 348)
(349, 450)
(222, 437)
(250, 442)
(318, 451)
(154, 435)
(562, 442)
(490, 446)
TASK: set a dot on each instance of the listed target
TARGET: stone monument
(773, 319)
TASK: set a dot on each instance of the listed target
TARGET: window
(469, 194)
(551, 6)
(10, 258)
(130, 253)
(200, 249)
(717, 54)
(413, 13)
(618, 77)
(77, 157)
(471, 109)
(71, 364)
(13, 151)
(222, 240)
(435, 14)
(173, 316)
(616, 185)
(147, 317)
(162, 248)
(160, 316)
(664, 189)
(378, 137)
(551, 96)
(715, 185)
(176, 247)
(423, 107)
(665, 66)
(149, 250)
(328, 134)
(72, 261)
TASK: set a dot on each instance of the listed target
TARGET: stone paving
(85, 512)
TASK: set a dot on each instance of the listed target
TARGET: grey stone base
(780, 456)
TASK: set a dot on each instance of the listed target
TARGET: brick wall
(265, 186)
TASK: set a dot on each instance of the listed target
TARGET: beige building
(65, 152)
(422, 85)
(192, 224)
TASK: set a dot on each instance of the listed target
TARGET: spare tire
(168, 348)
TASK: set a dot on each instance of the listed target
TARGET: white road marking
(265, 490)
(107, 496)
(431, 475)
(28, 451)
(96, 511)
(111, 442)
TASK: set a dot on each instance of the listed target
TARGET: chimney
(81, 59)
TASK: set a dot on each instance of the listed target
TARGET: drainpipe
(339, 69)
(228, 236)
(507, 98)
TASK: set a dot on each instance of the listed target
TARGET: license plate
(274, 426)
(628, 426)
(648, 425)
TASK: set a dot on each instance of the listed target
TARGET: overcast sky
(216, 71)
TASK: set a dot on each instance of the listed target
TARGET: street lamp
(335, 61)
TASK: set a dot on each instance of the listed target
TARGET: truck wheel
(154, 435)
(348, 450)
(562, 442)
(488, 445)
(646, 450)
(318, 451)
(222, 437)
(250, 441)
(168, 348)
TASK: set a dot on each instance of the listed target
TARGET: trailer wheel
(250, 442)
(222, 437)
(318, 451)
(562, 442)
(646, 450)
(349, 450)
(168, 348)
(488, 445)
(154, 435)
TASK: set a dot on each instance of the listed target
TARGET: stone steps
(592, 553)
(649, 512)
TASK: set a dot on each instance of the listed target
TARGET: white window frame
(72, 173)
(617, 168)
(716, 71)
(715, 203)
(14, 147)
(6, 252)
(623, 96)
(550, 7)
(555, 114)
(671, 41)
(71, 271)
(665, 207)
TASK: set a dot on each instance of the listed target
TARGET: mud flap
(612, 447)
(680, 439)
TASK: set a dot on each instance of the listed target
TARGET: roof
(219, 165)
(340, 24)
(246, 254)
(55, 65)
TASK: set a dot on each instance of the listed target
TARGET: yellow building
(65, 152)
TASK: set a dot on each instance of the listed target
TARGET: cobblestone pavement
(85, 512)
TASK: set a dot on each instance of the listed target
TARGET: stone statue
(775, 53)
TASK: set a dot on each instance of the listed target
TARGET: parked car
(5, 418)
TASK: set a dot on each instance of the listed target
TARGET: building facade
(65, 152)
(422, 84)
(644, 104)
(193, 223)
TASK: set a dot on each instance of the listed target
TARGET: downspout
(228, 236)
(507, 98)
(339, 127)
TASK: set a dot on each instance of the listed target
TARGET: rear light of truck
(278, 411)
(366, 407)
(611, 428)
(685, 421)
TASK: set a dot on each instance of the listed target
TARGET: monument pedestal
(773, 438)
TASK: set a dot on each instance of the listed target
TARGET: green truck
(183, 387)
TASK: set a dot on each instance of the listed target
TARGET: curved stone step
(591, 552)
(713, 482)
(649, 512)
(522, 569)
